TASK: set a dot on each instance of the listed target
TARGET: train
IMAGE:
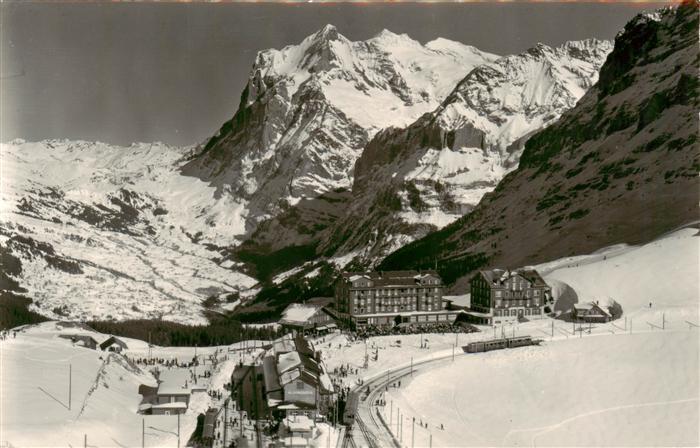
(499, 344)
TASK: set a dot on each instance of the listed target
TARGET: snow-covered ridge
(388, 80)
(446, 161)
(108, 232)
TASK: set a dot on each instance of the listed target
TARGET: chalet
(163, 400)
(591, 312)
(295, 381)
(113, 344)
(81, 340)
(173, 408)
(391, 297)
(301, 317)
(501, 296)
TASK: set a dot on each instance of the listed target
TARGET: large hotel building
(391, 297)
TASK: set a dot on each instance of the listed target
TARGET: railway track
(373, 432)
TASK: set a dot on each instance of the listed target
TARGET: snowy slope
(110, 232)
(309, 109)
(594, 391)
(663, 272)
(34, 380)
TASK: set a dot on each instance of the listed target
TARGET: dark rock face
(620, 167)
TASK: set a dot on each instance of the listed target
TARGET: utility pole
(143, 432)
(225, 420)
(413, 433)
(178, 430)
(552, 328)
(391, 414)
(70, 385)
(84, 440)
(366, 360)
(430, 440)
(453, 352)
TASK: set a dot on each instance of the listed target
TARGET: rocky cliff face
(416, 179)
(309, 109)
(620, 167)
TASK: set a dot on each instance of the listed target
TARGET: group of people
(344, 370)
(5, 334)
(173, 362)
(436, 327)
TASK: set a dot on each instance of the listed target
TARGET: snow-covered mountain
(103, 232)
(619, 167)
(94, 231)
(309, 109)
(411, 180)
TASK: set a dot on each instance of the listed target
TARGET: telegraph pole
(143, 432)
(391, 414)
(70, 385)
(178, 430)
(398, 424)
(225, 420)
(413, 433)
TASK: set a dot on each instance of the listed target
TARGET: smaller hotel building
(500, 296)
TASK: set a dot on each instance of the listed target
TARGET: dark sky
(174, 72)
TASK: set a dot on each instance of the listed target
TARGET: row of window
(519, 302)
(514, 312)
(528, 293)
(394, 308)
(395, 292)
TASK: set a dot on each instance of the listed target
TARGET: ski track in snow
(545, 429)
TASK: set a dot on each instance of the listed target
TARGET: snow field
(34, 374)
(623, 383)
(631, 390)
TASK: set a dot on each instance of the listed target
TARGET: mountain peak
(328, 32)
